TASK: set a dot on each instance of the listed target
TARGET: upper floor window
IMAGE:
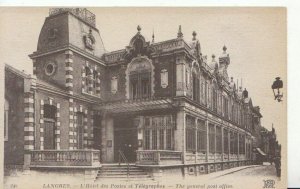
(215, 97)
(140, 79)
(80, 130)
(90, 81)
(196, 87)
(225, 107)
(49, 126)
(95, 77)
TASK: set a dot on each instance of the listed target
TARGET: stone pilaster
(85, 129)
(91, 131)
(207, 140)
(57, 128)
(72, 136)
(29, 121)
(180, 135)
(69, 71)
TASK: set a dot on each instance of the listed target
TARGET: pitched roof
(16, 71)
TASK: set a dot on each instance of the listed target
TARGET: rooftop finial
(213, 57)
(179, 34)
(224, 49)
(138, 28)
(153, 36)
(194, 35)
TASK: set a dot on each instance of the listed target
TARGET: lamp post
(277, 85)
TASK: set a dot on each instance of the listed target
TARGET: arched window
(196, 86)
(140, 79)
(215, 97)
(195, 78)
(6, 119)
(49, 123)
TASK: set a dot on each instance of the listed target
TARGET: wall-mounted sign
(109, 143)
(114, 84)
(164, 78)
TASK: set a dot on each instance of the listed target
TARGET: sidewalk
(218, 174)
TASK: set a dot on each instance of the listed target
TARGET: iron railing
(123, 157)
(81, 13)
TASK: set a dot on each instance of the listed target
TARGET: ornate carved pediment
(138, 47)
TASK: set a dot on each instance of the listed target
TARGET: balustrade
(65, 158)
(158, 157)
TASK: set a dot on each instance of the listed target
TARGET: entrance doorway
(125, 138)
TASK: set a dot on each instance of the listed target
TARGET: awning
(261, 152)
(136, 105)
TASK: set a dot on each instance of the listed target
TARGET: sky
(255, 39)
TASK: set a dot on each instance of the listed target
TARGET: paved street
(252, 177)
(246, 177)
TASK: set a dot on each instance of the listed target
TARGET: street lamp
(277, 84)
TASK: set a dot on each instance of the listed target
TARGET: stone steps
(120, 172)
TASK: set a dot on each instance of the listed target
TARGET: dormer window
(52, 33)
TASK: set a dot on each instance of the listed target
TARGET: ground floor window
(225, 141)
(231, 143)
(159, 132)
(201, 136)
(190, 134)
(241, 144)
(218, 139)
(212, 137)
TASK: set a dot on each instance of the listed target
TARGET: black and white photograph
(144, 97)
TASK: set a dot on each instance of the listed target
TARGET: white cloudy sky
(255, 39)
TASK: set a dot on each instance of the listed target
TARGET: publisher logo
(269, 183)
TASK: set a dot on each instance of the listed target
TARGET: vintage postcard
(144, 98)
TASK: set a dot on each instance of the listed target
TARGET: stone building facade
(163, 105)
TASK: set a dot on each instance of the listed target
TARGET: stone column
(180, 133)
(196, 139)
(222, 135)
(103, 137)
(28, 128)
(215, 137)
(207, 140)
(139, 124)
(238, 146)
(109, 139)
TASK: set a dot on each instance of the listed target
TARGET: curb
(242, 168)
